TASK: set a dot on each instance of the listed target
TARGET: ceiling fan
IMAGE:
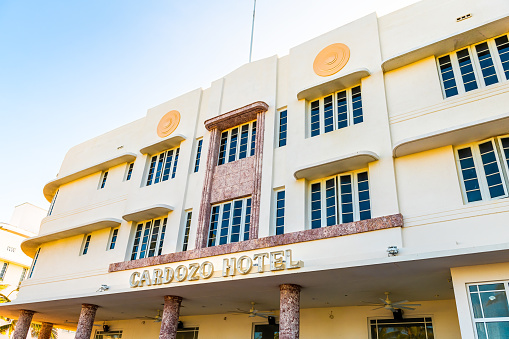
(157, 318)
(253, 312)
(393, 306)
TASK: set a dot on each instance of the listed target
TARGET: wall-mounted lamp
(103, 288)
(392, 251)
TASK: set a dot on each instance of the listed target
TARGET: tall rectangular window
(475, 66)
(113, 238)
(237, 143)
(149, 238)
(230, 222)
(187, 230)
(340, 199)
(23, 275)
(489, 309)
(50, 209)
(337, 110)
(198, 156)
(104, 176)
(280, 212)
(86, 244)
(282, 127)
(129, 171)
(34, 261)
(163, 166)
(3, 271)
(483, 169)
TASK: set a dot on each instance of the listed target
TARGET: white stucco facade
(390, 168)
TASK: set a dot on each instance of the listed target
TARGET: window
(50, 210)
(34, 261)
(198, 156)
(340, 199)
(3, 271)
(149, 238)
(113, 239)
(129, 171)
(336, 111)
(483, 169)
(187, 333)
(266, 331)
(282, 128)
(237, 143)
(489, 308)
(104, 177)
(230, 222)
(23, 274)
(421, 328)
(163, 166)
(475, 66)
(86, 244)
(280, 212)
(187, 230)
(108, 335)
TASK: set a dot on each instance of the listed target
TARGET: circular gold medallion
(168, 123)
(331, 59)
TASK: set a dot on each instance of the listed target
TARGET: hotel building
(371, 159)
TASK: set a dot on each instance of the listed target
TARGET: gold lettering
(240, 267)
(228, 268)
(157, 276)
(208, 274)
(132, 279)
(276, 261)
(193, 269)
(145, 278)
(181, 273)
(168, 275)
(292, 264)
(261, 264)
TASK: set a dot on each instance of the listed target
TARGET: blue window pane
(167, 166)
(467, 71)
(328, 114)
(243, 141)
(472, 288)
(498, 329)
(315, 118)
(233, 145)
(357, 105)
(365, 215)
(175, 162)
(342, 110)
(222, 148)
(282, 128)
(253, 138)
(486, 63)
(474, 196)
(481, 331)
(491, 287)
(448, 80)
(503, 52)
(476, 305)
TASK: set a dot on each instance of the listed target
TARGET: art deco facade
(371, 159)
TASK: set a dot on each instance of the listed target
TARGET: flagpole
(252, 32)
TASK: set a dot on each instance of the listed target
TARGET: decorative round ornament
(168, 123)
(331, 59)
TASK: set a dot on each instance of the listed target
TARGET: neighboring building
(373, 158)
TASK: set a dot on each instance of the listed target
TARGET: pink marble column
(289, 311)
(45, 331)
(170, 318)
(203, 218)
(86, 322)
(257, 185)
(23, 324)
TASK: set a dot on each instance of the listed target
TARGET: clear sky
(72, 70)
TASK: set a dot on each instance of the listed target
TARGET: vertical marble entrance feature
(170, 317)
(289, 311)
(45, 331)
(86, 322)
(23, 324)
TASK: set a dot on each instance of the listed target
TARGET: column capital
(90, 306)
(174, 298)
(290, 287)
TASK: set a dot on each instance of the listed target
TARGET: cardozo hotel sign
(277, 261)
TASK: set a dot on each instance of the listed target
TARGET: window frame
(129, 171)
(104, 178)
(279, 229)
(477, 70)
(112, 241)
(86, 244)
(227, 135)
(483, 319)
(197, 160)
(3, 270)
(413, 318)
(187, 229)
(214, 237)
(34, 261)
(282, 127)
(338, 211)
(157, 168)
(350, 119)
(501, 160)
(146, 239)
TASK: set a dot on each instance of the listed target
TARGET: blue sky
(72, 70)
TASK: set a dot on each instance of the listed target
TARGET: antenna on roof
(252, 31)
